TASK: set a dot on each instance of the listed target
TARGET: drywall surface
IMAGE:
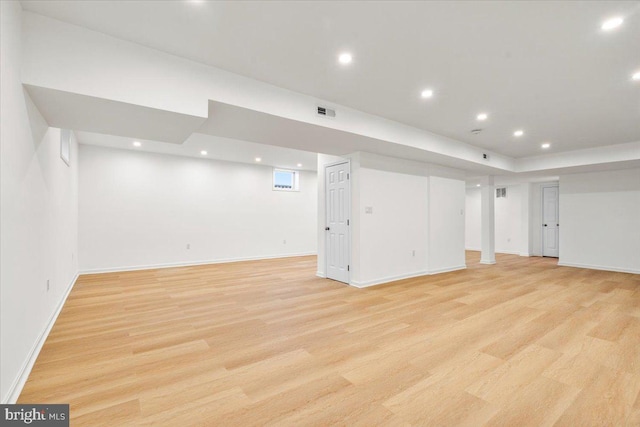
(141, 209)
(446, 224)
(392, 218)
(517, 216)
(508, 216)
(472, 219)
(38, 217)
(600, 220)
(130, 73)
(393, 228)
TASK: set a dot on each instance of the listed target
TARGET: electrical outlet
(48, 287)
(188, 245)
(413, 252)
(284, 242)
(368, 209)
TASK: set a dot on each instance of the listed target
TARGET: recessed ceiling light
(258, 159)
(299, 165)
(546, 145)
(482, 116)
(345, 58)
(636, 76)
(427, 93)
(612, 23)
(477, 185)
(518, 133)
(203, 152)
(137, 144)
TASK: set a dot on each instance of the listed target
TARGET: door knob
(545, 225)
(327, 228)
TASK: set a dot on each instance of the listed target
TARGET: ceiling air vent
(476, 131)
(326, 112)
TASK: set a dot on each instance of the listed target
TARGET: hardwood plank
(522, 342)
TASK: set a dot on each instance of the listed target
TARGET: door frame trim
(326, 243)
(542, 187)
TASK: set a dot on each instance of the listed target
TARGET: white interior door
(550, 222)
(338, 203)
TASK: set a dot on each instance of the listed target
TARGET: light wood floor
(524, 342)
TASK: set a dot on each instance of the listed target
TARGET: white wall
(525, 220)
(393, 238)
(508, 220)
(518, 227)
(38, 217)
(473, 219)
(446, 224)
(141, 209)
(508, 216)
(600, 220)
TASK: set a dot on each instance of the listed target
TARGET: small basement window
(286, 180)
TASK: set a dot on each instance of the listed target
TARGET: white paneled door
(338, 203)
(550, 222)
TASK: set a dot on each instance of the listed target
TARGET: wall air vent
(501, 192)
(326, 112)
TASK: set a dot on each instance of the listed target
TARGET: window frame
(295, 178)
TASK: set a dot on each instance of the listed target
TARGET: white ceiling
(218, 148)
(545, 67)
(80, 112)
(230, 121)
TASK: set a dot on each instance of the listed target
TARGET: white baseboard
(487, 262)
(598, 267)
(448, 269)
(524, 254)
(497, 251)
(18, 384)
(321, 274)
(508, 252)
(388, 279)
(405, 276)
(189, 263)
